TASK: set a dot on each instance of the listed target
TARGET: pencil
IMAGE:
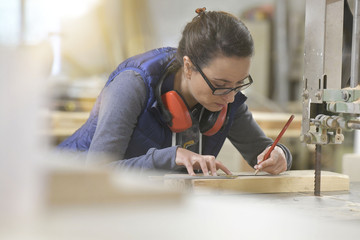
(267, 155)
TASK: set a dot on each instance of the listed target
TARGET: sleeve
(246, 135)
(122, 101)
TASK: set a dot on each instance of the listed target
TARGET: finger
(223, 168)
(212, 165)
(271, 170)
(265, 164)
(261, 156)
(280, 167)
(189, 168)
(203, 166)
(280, 163)
(278, 170)
(275, 168)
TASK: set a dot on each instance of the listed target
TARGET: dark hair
(211, 33)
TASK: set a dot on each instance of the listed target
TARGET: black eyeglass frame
(229, 90)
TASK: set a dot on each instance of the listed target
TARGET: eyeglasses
(245, 83)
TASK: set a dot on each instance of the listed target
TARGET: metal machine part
(317, 169)
(329, 107)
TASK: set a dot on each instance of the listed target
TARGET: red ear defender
(212, 122)
(181, 118)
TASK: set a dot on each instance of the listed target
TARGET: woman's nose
(229, 98)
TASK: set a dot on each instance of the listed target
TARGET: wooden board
(290, 181)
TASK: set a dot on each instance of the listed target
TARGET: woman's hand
(206, 163)
(275, 164)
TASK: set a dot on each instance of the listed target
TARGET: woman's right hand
(206, 163)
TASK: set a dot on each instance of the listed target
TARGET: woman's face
(222, 72)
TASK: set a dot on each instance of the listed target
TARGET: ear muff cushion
(212, 122)
(181, 118)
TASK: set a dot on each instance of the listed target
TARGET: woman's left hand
(275, 164)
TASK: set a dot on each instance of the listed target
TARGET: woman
(172, 109)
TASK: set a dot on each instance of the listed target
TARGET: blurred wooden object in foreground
(77, 185)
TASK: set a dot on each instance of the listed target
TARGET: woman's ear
(188, 67)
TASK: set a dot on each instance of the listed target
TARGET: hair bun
(200, 10)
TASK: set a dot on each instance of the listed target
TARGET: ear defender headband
(177, 115)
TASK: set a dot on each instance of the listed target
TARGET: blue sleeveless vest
(151, 131)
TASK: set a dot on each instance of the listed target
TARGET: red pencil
(267, 155)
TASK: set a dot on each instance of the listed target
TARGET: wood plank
(290, 181)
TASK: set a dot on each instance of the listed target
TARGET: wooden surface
(290, 181)
(80, 186)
